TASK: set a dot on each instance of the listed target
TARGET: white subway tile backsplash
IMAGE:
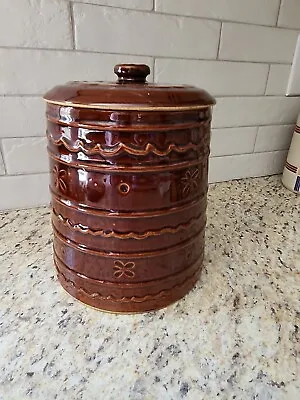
(278, 79)
(272, 138)
(289, 15)
(25, 155)
(35, 23)
(221, 78)
(253, 111)
(24, 191)
(230, 141)
(246, 66)
(149, 33)
(137, 4)
(253, 11)
(257, 43)
(246, 165)
(43, 69)
(22, 116)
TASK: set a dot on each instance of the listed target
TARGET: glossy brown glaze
(129, 197)
(130, 92)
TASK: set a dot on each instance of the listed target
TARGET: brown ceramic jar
(129, 163)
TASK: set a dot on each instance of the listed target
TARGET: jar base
(133, 305)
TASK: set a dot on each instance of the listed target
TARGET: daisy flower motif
(190, 182)
(124, 269)
(59, 176)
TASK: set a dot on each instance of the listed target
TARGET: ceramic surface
(291, 172)
(129, 193)
(130, 92)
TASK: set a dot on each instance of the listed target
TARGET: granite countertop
(235, 336)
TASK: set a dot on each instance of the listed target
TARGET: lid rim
(127, 107)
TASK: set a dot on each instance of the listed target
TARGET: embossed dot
(124, 188)
(95, 190)
(140, 139)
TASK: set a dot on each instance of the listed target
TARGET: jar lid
(130, 92)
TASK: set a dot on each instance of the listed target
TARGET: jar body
(129, 200)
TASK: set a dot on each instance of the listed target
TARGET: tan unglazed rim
(126, 107)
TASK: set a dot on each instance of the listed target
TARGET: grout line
(211, 59)
(25, 174)
(249, 62)
(71, 11)
(2, 156)
(9, 95)
(250, 154)
(154, 69)
(188, 16)
(279, 9)
(23, 137)
(261, 96)
(271, 151)
(268, 75)
(255, 125)
(253, 150)
(220, 38)
(143, 10)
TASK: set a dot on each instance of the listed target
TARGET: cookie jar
(129, 171)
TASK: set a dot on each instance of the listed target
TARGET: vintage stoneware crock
(129, 163)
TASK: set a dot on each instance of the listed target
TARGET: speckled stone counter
(235, 336)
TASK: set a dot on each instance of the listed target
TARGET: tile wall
(239, 50)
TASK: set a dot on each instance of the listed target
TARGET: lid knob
(132, 73)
